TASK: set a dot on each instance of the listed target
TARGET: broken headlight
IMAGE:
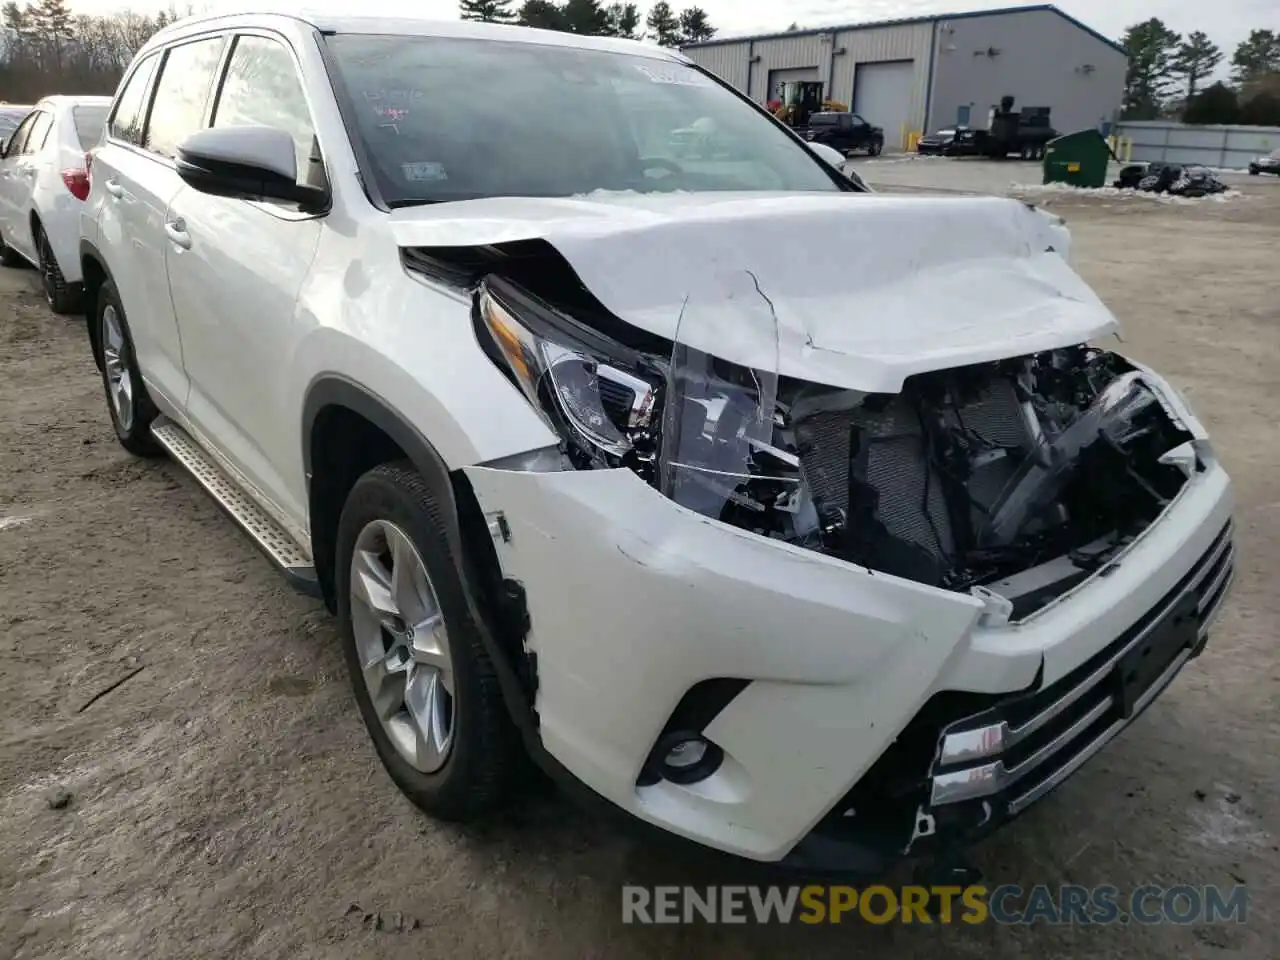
(708, 434)
(574, 377)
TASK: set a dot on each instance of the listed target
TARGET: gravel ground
(183, 773)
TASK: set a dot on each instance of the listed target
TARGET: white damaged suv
(795, 520)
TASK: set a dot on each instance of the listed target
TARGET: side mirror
(248, 163)
(828, 155)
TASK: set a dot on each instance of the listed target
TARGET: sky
(1227, 22)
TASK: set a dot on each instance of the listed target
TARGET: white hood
(867, 289)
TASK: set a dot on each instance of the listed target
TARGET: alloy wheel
(403, 645)
(115, 366)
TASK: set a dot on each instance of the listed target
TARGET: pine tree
(542, 14)
(51, 24)
(663, 26)
(586, 17)
(1196, 59)
(694, 26)
(624, 18)
(487, 11)
(1150, 46)
(1258, 55)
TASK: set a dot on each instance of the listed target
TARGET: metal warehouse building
(926, 73)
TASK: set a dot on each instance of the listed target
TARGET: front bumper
(856, 691)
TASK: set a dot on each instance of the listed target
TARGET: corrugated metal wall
(732, 61)
(728, 61)
(1231, 147)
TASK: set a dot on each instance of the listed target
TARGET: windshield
(89, 123)
(451, 119)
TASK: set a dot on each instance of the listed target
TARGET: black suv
(845, 132)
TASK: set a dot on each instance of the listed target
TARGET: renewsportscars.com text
(1005, 904)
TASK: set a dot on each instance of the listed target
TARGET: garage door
(778, 77)
(882, 96)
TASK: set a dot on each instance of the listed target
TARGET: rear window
(89, 122)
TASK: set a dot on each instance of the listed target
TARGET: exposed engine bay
(1024, 476)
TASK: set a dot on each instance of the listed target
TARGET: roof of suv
(417, 27)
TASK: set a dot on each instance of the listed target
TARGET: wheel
(1253, 171)
(875, 148)
(422, 679)
(130, 407)
(62, 296)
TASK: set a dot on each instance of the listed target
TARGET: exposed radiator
(889, 454)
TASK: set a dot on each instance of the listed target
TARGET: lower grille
(1019, 751)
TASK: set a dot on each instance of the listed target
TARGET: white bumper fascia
(633, 600)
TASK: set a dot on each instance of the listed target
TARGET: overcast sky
(1226, 21)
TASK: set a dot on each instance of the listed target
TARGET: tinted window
(262, 87)
(19, 137)
(182, 93)
(39, 132)
(448, 119)
(131, 108)
(89, 121)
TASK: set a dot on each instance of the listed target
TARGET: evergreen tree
(487, 11)
(663, 26)
(694, 26)
(1196, 59)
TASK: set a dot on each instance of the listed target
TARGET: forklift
(798, 100)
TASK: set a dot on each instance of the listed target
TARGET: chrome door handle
(176, 230)
(113, 187)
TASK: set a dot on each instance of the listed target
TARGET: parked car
(719, 488)
(952, 142)
(845, 132)
(44, 179)
(1266, 164)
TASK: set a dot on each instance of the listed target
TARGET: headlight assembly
(706, 433)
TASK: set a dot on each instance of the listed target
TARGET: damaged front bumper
(862, 716)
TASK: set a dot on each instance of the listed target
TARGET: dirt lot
(224, 801)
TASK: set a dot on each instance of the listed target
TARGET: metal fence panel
(1216, 145)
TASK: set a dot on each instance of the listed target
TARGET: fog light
(686, 757)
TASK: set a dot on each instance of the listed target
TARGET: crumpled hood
(866, 289)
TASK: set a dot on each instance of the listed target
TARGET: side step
(270, 537)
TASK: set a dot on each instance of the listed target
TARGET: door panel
(8, 184)
(235, 269)
(234, 278)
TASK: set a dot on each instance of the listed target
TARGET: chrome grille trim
(968, 741)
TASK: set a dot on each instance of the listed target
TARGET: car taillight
(77, 182)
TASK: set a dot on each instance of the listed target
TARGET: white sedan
(44, 178)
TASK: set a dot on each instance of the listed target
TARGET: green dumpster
(1079, 159)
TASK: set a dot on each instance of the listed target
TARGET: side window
(19, 138)
(39, 132)
(262, 88)
(846, 121)
(131, 108)
(182, 93)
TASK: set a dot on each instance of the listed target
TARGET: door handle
(176, 230)
(113, 187)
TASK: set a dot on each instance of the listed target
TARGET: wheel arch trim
(328, 390)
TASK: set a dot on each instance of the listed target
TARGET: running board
(270, 537)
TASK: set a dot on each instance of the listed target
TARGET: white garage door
(882, 96)
(790, 75)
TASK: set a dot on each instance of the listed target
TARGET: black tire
(10, 257)
(487, 760)
(136, 435)
(1253, 171)
(875, 148)
(63, 297)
